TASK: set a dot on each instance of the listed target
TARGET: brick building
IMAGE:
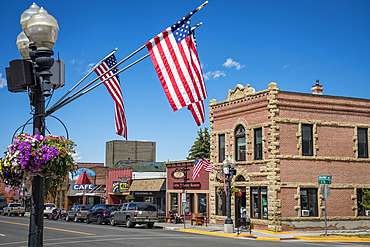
(282, 141)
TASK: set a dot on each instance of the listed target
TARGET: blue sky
(240, 42)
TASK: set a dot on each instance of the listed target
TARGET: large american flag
(175, 58)
(207, 166)
(114, 88)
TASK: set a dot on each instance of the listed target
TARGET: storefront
(150, 190)
(118, 185)
(184, 195)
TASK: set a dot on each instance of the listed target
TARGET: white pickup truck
(14, 208)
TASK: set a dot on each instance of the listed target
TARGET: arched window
(240, 178)
(240, 143)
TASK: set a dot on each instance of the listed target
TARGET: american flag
(207, 166)
(114, 88)
(198, 165)
(175, 58)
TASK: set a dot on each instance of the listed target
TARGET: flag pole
(115, 66)
(69, 100)
(78, 83)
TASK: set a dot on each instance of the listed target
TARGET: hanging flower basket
(31, 155)
(234, 191)
(130, 198)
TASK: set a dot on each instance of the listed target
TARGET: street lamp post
(35, 43)
(229, 171)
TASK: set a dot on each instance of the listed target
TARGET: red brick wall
(335, 141)
(288, 202)
(288, 139)
(339, 203)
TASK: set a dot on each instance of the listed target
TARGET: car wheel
(88, 220)
(67, 218)
(150, 225)
(129, 223)
(75, 219)
(112, 221)
(99, 220)
(22, 215)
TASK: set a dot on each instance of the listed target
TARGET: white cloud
(76, 156)
(2, 81)
(286, 66)
(232, 64)
(213, 75)
(89, 67)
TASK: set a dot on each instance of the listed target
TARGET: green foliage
(366, 199)
(201, 146)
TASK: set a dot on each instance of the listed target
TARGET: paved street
(14, 231)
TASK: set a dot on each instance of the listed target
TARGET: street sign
(326, 191)
(324, 177)
(324, 181)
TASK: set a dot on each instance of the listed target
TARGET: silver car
(133, 213)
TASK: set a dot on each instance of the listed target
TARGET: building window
(202, 204)
(174, 202)
(221, 148)
(220, 204)
(362, 143)
(258, 144)
(361, 211)
(309, 201)
(240, 143)
(307, 144)
(259, 202)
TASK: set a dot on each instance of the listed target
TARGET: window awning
(147, 184)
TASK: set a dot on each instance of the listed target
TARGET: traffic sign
(321, 181)
(324, 177)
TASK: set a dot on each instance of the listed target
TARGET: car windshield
(50, 205)
(112, 207)
(15, 205)
(146, 207)
(86, 207)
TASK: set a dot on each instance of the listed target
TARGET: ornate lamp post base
(228, 228)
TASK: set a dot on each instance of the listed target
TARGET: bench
(170, 218)
(198, 219)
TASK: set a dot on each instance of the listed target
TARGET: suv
(48, 208)
(78, 213)
(133, 213)
(101, 213)
(2, 205)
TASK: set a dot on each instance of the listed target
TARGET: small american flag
(197, 168)
(175, 59)
(114, 88)
(8, 188)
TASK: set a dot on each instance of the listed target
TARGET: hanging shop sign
(178, 174)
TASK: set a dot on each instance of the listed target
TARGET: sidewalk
(264, 235)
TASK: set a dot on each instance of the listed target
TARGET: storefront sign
(124, 186)
(88, 172)
(83, 186)
(187, 185)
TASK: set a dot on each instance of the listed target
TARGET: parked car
(2, 205)
(101, 213)
(48, 208)
(133, 213)
(161, 215)
(78, 213)
(14, 208)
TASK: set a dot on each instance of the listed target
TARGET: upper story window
(362, 143)
(307, 143)
(240, 143)
(258, 144)
(221, 148)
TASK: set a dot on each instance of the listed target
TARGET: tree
(366, 199)
(201, 146)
